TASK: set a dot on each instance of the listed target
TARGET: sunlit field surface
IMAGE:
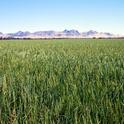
(70, 81)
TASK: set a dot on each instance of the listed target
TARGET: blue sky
(83, 15)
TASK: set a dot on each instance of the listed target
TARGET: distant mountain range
(59, 34)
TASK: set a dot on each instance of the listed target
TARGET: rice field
(79, 81)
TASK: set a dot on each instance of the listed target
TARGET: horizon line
(61, 31)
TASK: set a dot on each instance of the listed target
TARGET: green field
(75, 81)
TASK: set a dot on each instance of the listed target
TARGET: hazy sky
(83, 15)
